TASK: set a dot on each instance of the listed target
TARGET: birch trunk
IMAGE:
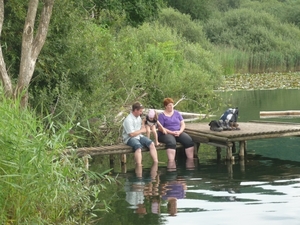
(32, 43)
(6, 81)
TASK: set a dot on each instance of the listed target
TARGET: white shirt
(131, 124)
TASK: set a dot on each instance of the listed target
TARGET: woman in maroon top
(174, 126)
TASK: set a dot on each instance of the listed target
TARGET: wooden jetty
(201, 134)
(253, 130)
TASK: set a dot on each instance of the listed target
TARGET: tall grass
(239, 61)
(38, 184)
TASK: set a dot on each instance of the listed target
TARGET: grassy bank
(38, 185)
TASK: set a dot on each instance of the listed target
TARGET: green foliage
(98, 75)
(116, 13)
(268, 43)
(171, 63)
(285, 11)
(93, 67)
(225, 5)
(38, 184)
(139, 11)
(181, 23)
(197, 9)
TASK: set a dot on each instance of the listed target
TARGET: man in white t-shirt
(133, 130)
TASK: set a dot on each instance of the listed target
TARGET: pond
(263, 189)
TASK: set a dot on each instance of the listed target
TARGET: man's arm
(138, 132)
(130, 129)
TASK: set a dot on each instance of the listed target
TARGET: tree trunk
(3, 72)
(31, 47)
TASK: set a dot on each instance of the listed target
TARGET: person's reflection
(172, 189)
(141, 186)
(134, 188)
(152, 190)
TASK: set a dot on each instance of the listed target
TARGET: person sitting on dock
(151, 124)
(174, 125)
(133, 130)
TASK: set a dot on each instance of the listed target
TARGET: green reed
(237, 61)
(39, 184)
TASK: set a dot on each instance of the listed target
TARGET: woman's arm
(182, 126)
(161, 128)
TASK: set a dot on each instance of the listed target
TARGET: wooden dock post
(229, 151)
(86, 161)
(123, 159)
(242, 165)
(229, 169)
(242, 149)
(196, 149)
(111, 161)
(219, 150)
(123, 163)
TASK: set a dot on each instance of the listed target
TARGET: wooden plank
(110, 150)
(280, 113)
(266, 136)
(123, 149)
(204, 135)
(273, 122)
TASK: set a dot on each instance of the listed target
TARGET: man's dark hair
(137, 106)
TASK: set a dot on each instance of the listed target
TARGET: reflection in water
(264, 189)
(154, 188)
(259, 190)
(139, 186)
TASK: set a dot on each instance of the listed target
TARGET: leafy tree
(284, 11)
(197, 9)
(136, 12)
(33, 39)
(249, 30)
(183, 24)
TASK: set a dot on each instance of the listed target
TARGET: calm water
(263, 189)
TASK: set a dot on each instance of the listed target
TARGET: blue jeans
(139, 143)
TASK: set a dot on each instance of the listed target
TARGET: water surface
(263, 189)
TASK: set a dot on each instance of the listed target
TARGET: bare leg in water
(189, 152)
(153, 152)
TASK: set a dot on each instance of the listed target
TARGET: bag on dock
(215, 125)
(229, 119)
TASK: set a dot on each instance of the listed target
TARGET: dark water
(262, 189)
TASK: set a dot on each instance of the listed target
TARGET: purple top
(171, 123)
(174, 190)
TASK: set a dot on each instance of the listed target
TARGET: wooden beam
(270, 114)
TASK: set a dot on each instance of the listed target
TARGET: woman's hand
(176, 133)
